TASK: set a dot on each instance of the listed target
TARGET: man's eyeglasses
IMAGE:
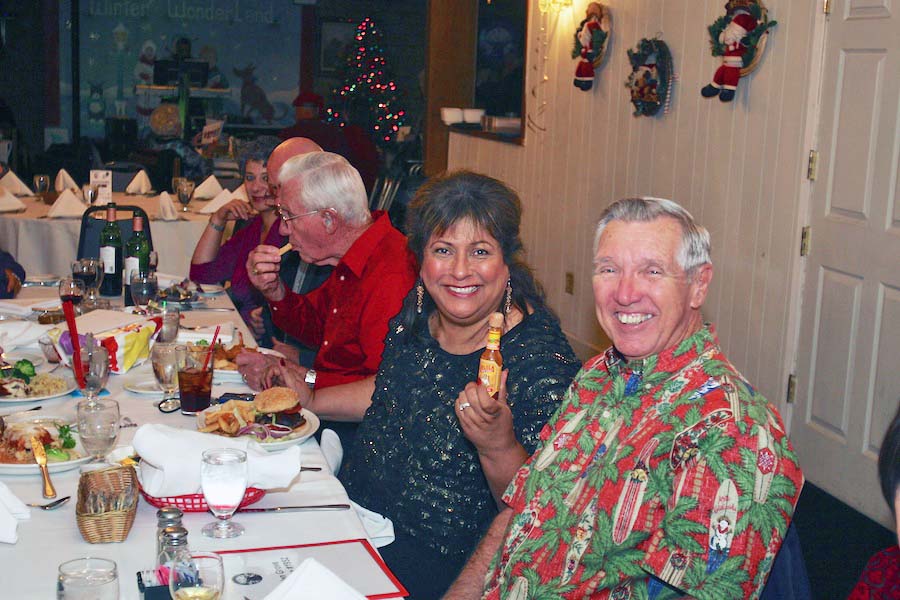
(286, 216)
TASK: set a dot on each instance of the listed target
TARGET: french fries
(228, 418)
(285, 249)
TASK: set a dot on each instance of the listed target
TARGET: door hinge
(805, 235)
(812, 165)
(791, 389)
(826, 7)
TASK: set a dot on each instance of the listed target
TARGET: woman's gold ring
(464, 406)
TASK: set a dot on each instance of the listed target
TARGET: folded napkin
(64, 181)
(8, 202)
(20, 333)
(241, 192)
(221, 199)
(140, 184)
(67, 205)
(210, 188)
(21, 307)
(167, 280)
(332, 450)
(170, 460)
(167, 210)
(226, 334)
(14, 185)
(12, 510)
(313, 581)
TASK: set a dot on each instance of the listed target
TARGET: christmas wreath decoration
(754, 41)
(590, 44)
(652, 73)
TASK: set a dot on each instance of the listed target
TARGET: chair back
(92, 224)
(122, 174)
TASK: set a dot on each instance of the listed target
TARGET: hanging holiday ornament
(739, 37)
(590, 44)
(652, 73)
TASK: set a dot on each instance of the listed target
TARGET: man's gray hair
(327, 180)
(694, 249)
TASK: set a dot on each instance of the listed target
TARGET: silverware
(50, 505)
(40, 457)
(296, 508)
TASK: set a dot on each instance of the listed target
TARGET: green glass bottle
(137, 256)
(111, 254)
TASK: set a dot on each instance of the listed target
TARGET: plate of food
(22, 384)
(64, 449)
(224, 367)
(274, 418)
(209, 289)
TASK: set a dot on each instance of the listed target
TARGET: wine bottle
(137, 256)
(491, 363)
(111, 254)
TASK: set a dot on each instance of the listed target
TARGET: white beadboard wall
(737, 167)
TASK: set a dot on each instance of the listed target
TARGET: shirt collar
(670, 360)
(357, 257)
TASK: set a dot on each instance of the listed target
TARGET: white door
(848, 363)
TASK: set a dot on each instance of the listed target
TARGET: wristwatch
(311, 378)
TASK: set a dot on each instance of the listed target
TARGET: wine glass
(171, 321)
(167, 360)
(223, 477)
(88, 578)
(201, 578)
(71, 290)
(90, 193)
(89, 271)
(41, 184)
(185, 190)
(95, 364)
(175, 182)
(98, 425)
(144, 288)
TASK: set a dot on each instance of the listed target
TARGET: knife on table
(296, 508)
(40, 457)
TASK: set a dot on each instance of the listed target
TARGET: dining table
(51, 537)
(44, 245)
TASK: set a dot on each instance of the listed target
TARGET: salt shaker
(175, 552)
(167, 516)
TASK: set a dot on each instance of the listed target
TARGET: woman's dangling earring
(420, 296)
(507, 304)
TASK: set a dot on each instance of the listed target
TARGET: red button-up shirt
(347, 316)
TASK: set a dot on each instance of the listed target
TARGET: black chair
(92, 224)
(788, 579)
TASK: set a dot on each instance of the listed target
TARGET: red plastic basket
(197, 503)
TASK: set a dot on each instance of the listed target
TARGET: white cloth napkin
(140, 184)
(210, 188)
(332, 450)
(12, 510)
(241, 192)
(20, 333)
(8, 202)
(21, 307)
(167, 210)
(221, 199)
(15, 186)
(64, 181)
(170, 460)
(67, 205)
(313, 581)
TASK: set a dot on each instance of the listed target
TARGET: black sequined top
(410, 460)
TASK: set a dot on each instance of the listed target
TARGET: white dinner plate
(70, 387)
(143, 386)
(232, 375)
(36, 358)
(210, 289)
(304, 433)
(53, 467)
(43, 279)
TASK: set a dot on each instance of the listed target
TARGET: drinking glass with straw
(195, 379)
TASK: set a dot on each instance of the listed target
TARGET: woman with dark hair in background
(11, 276)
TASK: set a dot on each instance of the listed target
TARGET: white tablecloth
(48, 246)
(52, 537)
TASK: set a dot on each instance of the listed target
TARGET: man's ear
(700, 284)
(329, 219)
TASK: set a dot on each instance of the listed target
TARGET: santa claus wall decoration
(590, 44)
(652, 73)
(739, 37)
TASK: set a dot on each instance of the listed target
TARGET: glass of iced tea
(195, 381)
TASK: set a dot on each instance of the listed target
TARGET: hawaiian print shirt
(661, 473)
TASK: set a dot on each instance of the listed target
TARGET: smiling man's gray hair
(694, 249)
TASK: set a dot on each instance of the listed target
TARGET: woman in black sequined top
(434, 451)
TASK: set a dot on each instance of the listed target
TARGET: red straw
(212, 345)
(69, 311)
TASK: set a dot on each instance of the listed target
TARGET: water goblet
(223, 478)
(171, 321)
(41, 184)
(185, 191)
(90, 193)
(98, 425)
(144, 288)
(167, 360)
(95, 578)
(201, 578)
(95, 363)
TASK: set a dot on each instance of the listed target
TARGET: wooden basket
(107, 504)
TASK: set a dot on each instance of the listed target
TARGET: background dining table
(44, 245)
(52, 537)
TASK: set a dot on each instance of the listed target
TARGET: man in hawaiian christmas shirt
(663, 473)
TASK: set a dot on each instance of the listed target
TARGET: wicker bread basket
(107, 503)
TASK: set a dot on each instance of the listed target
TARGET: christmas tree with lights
(367, 96)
